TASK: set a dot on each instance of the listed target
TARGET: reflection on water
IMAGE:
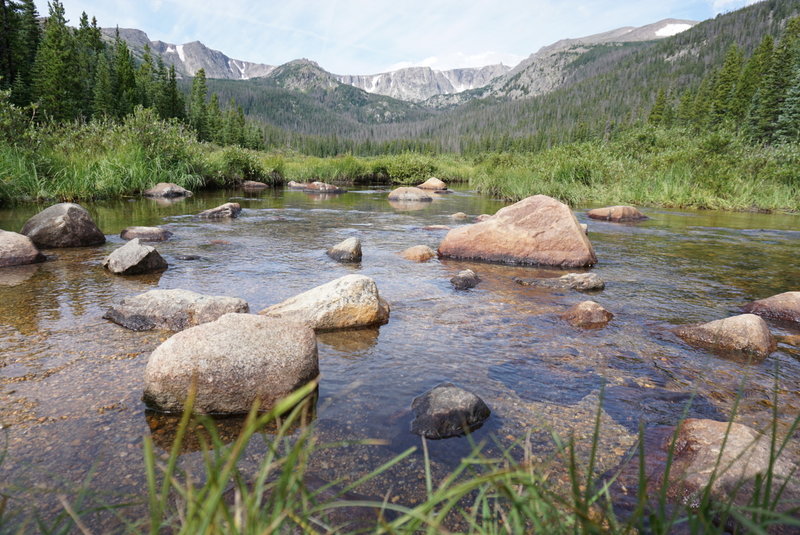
(71, 382)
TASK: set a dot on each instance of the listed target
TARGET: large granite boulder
(167, 190)
(538, 230)
(349, 302)
(133, 258)
(409, 195)
(781, 307)
(418, 253)
(63, 225)
(433, 183)
(234, 362)
(229, 210)
(347, 251)
(587, 315)
(174, 310)
(145, 233)
(18, 250)
(447, 411)
(583, 282)
(745, 334)
(617, 214)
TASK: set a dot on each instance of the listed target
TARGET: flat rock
(587, 315)
(746, 333)
(617, 214)
(583, 282)
(228, 210)
(347, 251)
(433, 183)
(133, 258)
(349, 302)
(538, 230)
(436, 227)
(252, 184)
(63, 225)
(173, 310)
(18, 250)
(459, 216)
(465, 280)
(406, 194)
(447, 411)
(314, 187)
(781, 307)
(167, 190)
(418, 253)
(235, 361)
(145, 233)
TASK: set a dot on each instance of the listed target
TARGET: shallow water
(71, 382)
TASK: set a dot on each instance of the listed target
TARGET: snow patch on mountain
(672, 29)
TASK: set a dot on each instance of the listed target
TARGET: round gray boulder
(447, 411)
(133, 258)
(63, 225)
(347, 251)
(17, 250)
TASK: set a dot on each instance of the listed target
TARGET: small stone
(447, 411)
(583, 282)
(459, 216)
(781, 307)
(133, 258)
(418, 253)
(433, 183)
(436, 227)
(617, 214)
(465, 280)
(253, 185)
(588, 315)
(167, 190)
(347, 251)
(145, 233)
(409, 195)
(228, 210)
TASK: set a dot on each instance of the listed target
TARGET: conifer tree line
(68, 74)
(758, 96)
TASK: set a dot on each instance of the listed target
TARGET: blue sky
(372, 36)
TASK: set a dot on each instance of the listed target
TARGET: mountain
(416, 84)
(189, 58)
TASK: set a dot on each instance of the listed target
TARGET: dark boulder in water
(447, 411)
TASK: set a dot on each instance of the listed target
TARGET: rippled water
(71, 382)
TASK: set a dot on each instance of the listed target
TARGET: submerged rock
(465, 280)
(617, 214)
(228, 210)
(63, 225)
(409, 195)
(234, 361)
(781, 307)
(447, 411)
(133, 258)
(587, 315)
(145, 233)
(538, 230)
(418, 253)
(348, 302)
(583, 282)
(314, 187)
(173, 310)
(746, 333)
(252, 185)
(18, 250)
(436, 227)
(459, 216)
(347, 251)
(167, 190)
(433, 183)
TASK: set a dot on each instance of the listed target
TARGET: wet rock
(447, 411)
(588, 315)
(167, 190)
(348, 302)
(253, 185)
(133, 258)
(617, 214)
(585, 228)
(234, 361)
(481, 218)
(409, 195)
(63, 225)
(465, 280)
(347, 251)
(459, 216)
(174, 310)
(436, 227)
(228, 210)
(781, 307)
(538, 230)
(145, 233)
(18, 250)
(583, 282)
(314, 187)
(418, 253)
(433, 183)
(295, 185)
(747, 334)
(189, 257)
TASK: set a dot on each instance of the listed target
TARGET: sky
(373, 36)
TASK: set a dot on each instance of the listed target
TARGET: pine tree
(726, 85)
(8, 29)
(659, 108)
(214, 121)
(787, 129)
(174, 104)
(198, 107)
(146, 80)
(56, 86)
(123, 78)
(754, 71)
(103, 102)
(89, 47)
(28, 37)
